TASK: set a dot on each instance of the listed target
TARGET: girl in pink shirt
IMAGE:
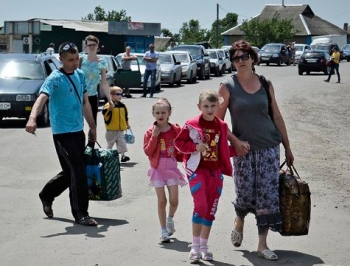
(158, 145)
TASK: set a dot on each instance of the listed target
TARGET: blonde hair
(163, 102)
(209, 95)
(115, 89)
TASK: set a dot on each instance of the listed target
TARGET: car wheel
(230, 69)
(178, 83)
(348, 59)
(217, 72)
(44, 118)
(307, 72)
(201, 74)
(300, 72)
(194, 79)
(189, 81)
(223, 69)
(208, 74)
(267, 64)
(171, 84)
(279, 62)
(158, 87)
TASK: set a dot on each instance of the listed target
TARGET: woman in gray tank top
(257, 134)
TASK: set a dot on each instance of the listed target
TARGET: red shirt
(211, 136)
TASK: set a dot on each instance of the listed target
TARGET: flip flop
(236, 238)
(267, 254)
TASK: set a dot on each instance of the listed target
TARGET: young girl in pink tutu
(158, 145)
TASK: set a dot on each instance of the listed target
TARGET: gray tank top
(249, 116)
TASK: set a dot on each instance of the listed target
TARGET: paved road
(317, 117)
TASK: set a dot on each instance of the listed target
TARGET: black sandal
(46, 204)
(87, 221)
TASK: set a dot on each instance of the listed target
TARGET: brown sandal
(87, 221)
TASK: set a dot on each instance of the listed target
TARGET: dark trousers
(93, 100)
(335, 67)
(70, 149)
(148, 73)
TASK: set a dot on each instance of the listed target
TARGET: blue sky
(171, 14)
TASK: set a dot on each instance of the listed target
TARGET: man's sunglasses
(243, 57)
(117, 93)
(68, 46)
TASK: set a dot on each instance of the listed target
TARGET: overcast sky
(171, 14)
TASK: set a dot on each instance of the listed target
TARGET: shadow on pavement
(128, 164)
(89, 231)
(284, 257)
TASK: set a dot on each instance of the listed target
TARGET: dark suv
(199, 53)
(275, 53)
(21, 76)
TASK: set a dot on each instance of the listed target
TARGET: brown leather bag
(295, 203)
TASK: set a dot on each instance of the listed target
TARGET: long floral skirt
(256, 178)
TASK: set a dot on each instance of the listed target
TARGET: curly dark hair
(243, 46)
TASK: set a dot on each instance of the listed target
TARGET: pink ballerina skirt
(166, 174)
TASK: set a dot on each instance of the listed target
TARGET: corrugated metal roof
(79, 25)
(303, 19)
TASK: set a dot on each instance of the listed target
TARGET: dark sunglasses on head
(243, 57)
(117, 93)
(92, 45)
(68, 46)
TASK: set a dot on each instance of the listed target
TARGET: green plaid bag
(103, 173)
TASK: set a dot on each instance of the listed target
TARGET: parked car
(275, 53)
(216, 61)
(21, 76)
(189, 65)
(299, 50)
(314, 61)
(346, 52)
(111, 69)
(142, 64)
(327, 47)
(202, 59)
(171, 69)
(227, 63)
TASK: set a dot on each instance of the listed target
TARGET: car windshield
(346, 47)
(299, 47)
(314, 55)
(182, 58)
(14, 69)
(271, 48)
(320, 47)
(213, 55)
(196, 52)
(165, 59)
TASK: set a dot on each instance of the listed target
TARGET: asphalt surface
(317, 118)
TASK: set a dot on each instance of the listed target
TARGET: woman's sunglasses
(116, 93)
(243, 57)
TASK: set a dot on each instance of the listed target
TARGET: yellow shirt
(336, 57)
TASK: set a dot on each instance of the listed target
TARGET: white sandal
(236, 238)
(267, 254)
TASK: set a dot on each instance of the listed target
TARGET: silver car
(216, 61)
(142, 64)
(171, 69)
(188, 63)
(226, 58)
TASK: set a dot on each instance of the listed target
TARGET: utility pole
(217, 25)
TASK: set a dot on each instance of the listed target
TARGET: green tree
(260, 32)
(100, 14)
(228, 22)
(191, 32)
(166, 32)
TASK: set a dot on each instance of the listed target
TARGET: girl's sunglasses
(243, 57)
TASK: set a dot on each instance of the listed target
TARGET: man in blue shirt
(151, 58)
(68, 105)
